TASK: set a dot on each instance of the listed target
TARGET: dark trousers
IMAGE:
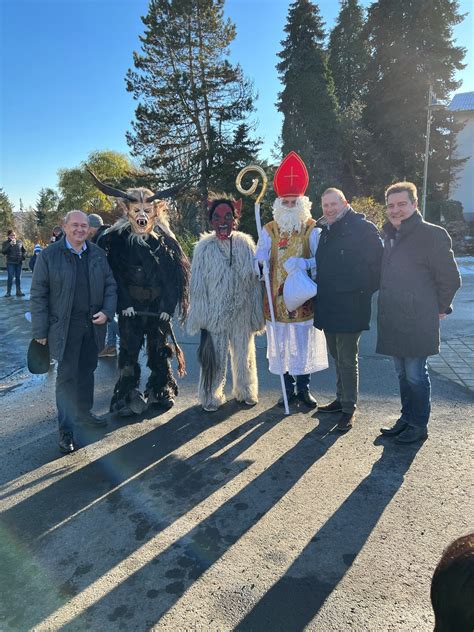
(13, 270)
(415, 390)
(75, 376)
(300, 381)
(344, 348)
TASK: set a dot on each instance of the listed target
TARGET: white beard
(292, 219)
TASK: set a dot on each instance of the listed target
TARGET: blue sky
(63, 64)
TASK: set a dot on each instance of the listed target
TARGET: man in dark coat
(15, 254)
(348, 262)
(418, 282)
(73, 294)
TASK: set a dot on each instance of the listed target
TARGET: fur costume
(151, 272)
(226, 306)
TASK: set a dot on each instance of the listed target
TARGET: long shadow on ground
(297, 597)
(95, 517)
(163, 580)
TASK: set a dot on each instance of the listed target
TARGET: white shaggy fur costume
(226, 300)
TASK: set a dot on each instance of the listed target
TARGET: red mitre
(291, 177)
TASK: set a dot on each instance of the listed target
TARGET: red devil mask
(223, 218)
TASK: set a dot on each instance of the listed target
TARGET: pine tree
(46, 213)
(6, 212)
(30, 227)
(307, 101)
(46, 205)
(411, 44)
(348, 59)
(237, 152)
(191, 98)
(348, 53)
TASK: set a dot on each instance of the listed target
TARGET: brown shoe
(345, 422)
(333, 407)
(108, 352)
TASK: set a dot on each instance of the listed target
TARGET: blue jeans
(112, 331)
(415, 390)
(300, 381)
(13, 270)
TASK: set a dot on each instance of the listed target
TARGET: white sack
(298, 287)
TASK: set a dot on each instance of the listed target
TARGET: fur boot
(127, 399)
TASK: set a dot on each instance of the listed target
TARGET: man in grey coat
(418, 282)
(73, 295)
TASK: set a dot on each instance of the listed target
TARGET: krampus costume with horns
(226, 307)
(152, 275)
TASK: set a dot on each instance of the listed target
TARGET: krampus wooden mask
(142, 206)
(141, 213)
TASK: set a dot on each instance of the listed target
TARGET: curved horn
(105, 188)
(167, 193)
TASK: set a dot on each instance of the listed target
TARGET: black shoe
(19, 293)
(345, 422)
(7, 295)
(398, 427)
(66, 445)
(412, 434)
(291, 398)
(333, 407)
(124, 411)
(307, 399)
(166, 402)
(89, 419)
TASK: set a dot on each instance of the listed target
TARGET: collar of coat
(349, 215)
(63, 246)
(407, 226)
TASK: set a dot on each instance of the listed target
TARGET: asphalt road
(244, 519)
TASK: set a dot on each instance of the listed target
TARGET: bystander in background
(58, 233)
(37, 249)
(15, 254)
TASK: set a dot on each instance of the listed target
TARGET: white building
(462, 190)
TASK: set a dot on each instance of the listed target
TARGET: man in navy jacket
(348, 263)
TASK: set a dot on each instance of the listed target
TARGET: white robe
(302, 346)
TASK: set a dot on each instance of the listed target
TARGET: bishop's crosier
(292, 236)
